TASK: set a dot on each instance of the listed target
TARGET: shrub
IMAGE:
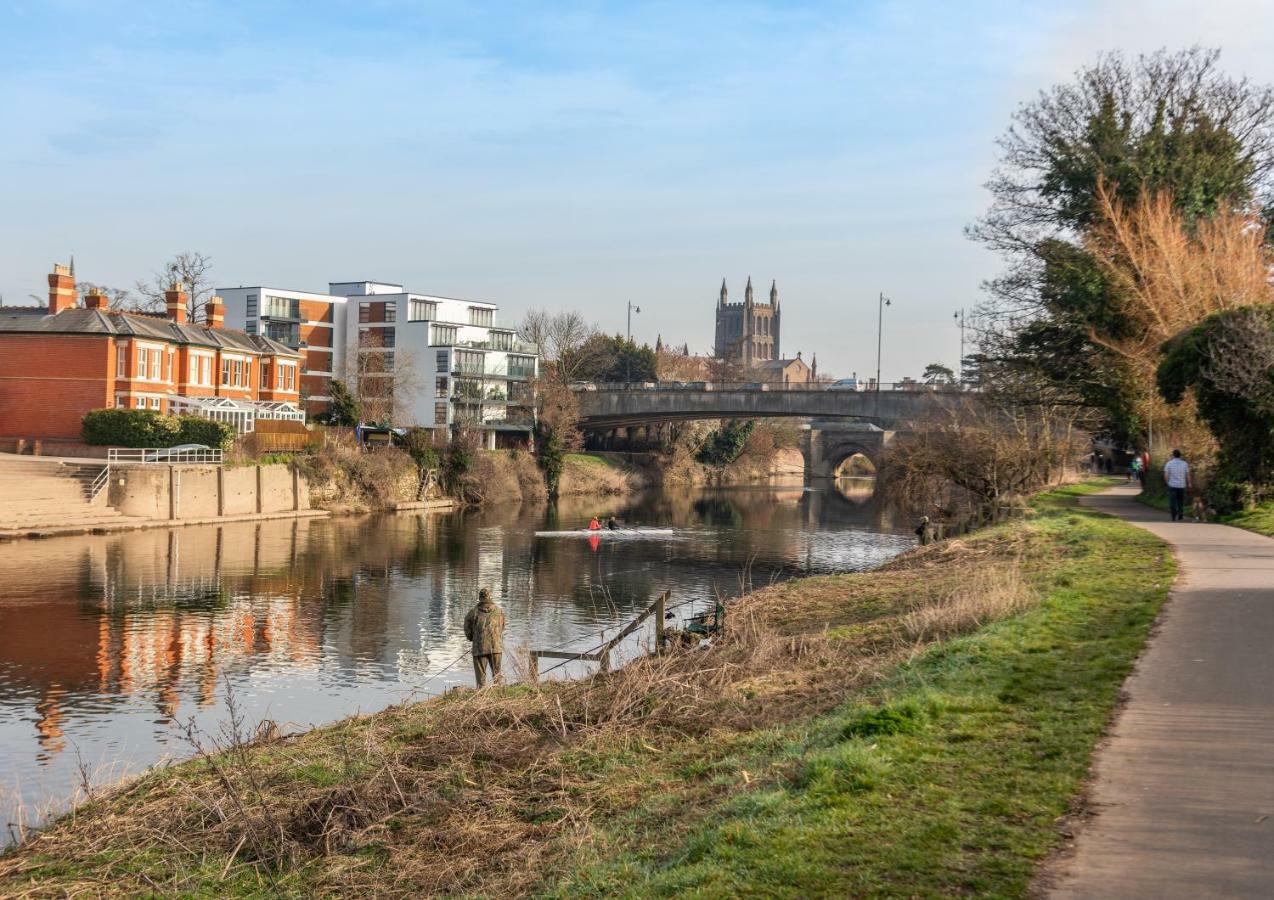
(148, 428)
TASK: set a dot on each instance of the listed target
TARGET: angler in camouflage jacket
(484, 626)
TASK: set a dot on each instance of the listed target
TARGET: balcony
(516, 345)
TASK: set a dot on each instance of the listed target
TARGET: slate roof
(122, 324)
(778, 364)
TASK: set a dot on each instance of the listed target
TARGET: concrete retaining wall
(204, 492)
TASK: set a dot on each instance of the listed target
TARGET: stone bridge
(843, 423)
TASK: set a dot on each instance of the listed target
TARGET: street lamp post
(959, 317)
(880, 333)
(628, 370)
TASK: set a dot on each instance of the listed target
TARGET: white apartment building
(465, 370)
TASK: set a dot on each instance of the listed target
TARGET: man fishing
(484, 626)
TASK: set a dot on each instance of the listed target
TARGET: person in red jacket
(594, 525)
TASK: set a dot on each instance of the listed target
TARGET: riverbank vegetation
(1131, 205)
(917, 730)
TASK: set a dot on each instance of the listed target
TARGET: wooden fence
(602, 654)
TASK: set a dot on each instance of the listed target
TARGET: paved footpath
(1184, 785)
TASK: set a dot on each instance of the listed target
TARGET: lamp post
(628, 371)
(880, 333)
(959, 317)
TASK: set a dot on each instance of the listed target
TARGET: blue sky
(552, 155)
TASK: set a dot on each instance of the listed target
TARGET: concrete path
(1184, 785)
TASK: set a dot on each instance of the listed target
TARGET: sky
(554, 155)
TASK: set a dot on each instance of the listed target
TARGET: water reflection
(108, 642)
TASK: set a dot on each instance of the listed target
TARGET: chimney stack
(95, 299)
(175, 302)
(216, 313)
(61, 289)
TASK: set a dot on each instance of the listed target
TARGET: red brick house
(58, 363)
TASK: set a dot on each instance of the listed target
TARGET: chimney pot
(216, 313)
(175, 302)
(61, 289)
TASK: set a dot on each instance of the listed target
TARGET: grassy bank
(914, 731)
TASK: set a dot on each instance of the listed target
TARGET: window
(247, 374)
(441, 362)
(142, 358)
(389, 362)
(500, 340)
(169, 367)
(443, 335)
(468, 361)
(391, 312)
(440, 386)
(281, 308)
(291, 374)
(421, 310)
(155, 357)
(440, 414)
(364, 311)
(288, 333)
(481, 315)
(120, 402)
(265, 375)
(387, 337)
(121, 360)
(251, 308)
(225, 372)
(522, 366)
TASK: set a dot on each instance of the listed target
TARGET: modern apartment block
(452, 364)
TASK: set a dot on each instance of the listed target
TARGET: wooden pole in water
(659, 622)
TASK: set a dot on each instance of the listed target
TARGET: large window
(387, 337)
(288, 333)
(421, 310)
(364, 311)
(522, 366)
(281, 307)
(500, 340)
(391, 312)
(441, 361)
(440, 386)
(121, 360)
(251, 307)
(143, 364)
(440, 414)
(468, 361)
(481, 315)
(443, 335)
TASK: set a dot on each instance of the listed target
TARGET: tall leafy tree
(1167, 122)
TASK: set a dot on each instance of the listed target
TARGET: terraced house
(59, 362)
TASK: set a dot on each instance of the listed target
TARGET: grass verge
(914, 731)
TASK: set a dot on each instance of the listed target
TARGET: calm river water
(110, 644)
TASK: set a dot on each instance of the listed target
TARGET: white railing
(99, 482)
(163, 456)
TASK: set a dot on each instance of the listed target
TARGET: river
(111, 645)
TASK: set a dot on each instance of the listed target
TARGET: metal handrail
(914, 387)
(163, 456)
(99, 482)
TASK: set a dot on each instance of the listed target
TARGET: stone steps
(37, 493)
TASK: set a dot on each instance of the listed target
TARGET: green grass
(946, 779)
(591, 460)
(1259, 519)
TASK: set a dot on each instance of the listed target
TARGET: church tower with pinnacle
(747, 332)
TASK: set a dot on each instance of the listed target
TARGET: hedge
(149, 428)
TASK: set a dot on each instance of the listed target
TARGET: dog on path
(1200, 508)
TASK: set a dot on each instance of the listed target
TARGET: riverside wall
(205, 492)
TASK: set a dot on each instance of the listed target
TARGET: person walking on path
(484, 626)
(1134, 468)
(1176, 474)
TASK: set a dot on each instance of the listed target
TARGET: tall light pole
(959, 317)
(880, 333)
(628, 371)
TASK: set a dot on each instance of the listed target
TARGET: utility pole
(880, 333)
(628, 370)
(959, 316)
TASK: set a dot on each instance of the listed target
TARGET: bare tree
(385, 382)
(191, 271)
(564, 339)
(118, 298)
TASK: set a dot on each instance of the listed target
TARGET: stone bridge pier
(827, 444)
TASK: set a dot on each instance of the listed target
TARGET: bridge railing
(886, 387)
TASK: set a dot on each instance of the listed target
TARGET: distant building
(59, 362)
(747, 332)
(467, 371)
(787, 372)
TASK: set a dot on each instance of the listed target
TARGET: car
(845, 384)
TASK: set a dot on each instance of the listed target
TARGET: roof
(121, 324)
(779, 364)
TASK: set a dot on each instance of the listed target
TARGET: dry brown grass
(486, 792)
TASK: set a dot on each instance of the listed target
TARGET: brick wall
(48, 382)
